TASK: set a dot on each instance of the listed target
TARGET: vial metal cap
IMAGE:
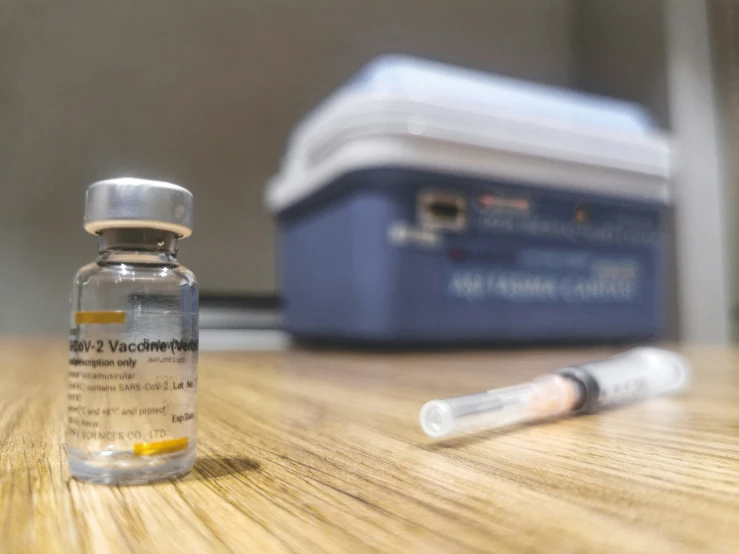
(135, 203)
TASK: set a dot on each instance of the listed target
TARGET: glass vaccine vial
(132, 402)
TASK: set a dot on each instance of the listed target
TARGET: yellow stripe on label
(160, 447)
(100, 318)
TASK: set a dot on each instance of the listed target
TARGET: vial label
(132, 383)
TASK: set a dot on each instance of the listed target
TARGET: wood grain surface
(322, 452)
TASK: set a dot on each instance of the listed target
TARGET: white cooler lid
(411, 113)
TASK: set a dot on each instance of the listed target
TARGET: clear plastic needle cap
(546, 396)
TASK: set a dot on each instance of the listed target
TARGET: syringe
(635, 375)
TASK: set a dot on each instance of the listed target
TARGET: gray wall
(725, 19)
(202, 94)
(619, 50)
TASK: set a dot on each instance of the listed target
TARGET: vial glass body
(132, 403)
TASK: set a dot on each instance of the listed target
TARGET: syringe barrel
(635, 375)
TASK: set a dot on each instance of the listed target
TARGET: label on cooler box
(527, 286)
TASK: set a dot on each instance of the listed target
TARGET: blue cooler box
(426, 204)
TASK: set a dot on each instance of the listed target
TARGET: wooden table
(322, 452)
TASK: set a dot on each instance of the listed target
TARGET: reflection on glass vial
(132, 402)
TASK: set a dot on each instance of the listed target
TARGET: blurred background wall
(725, 19)
(204, 94)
